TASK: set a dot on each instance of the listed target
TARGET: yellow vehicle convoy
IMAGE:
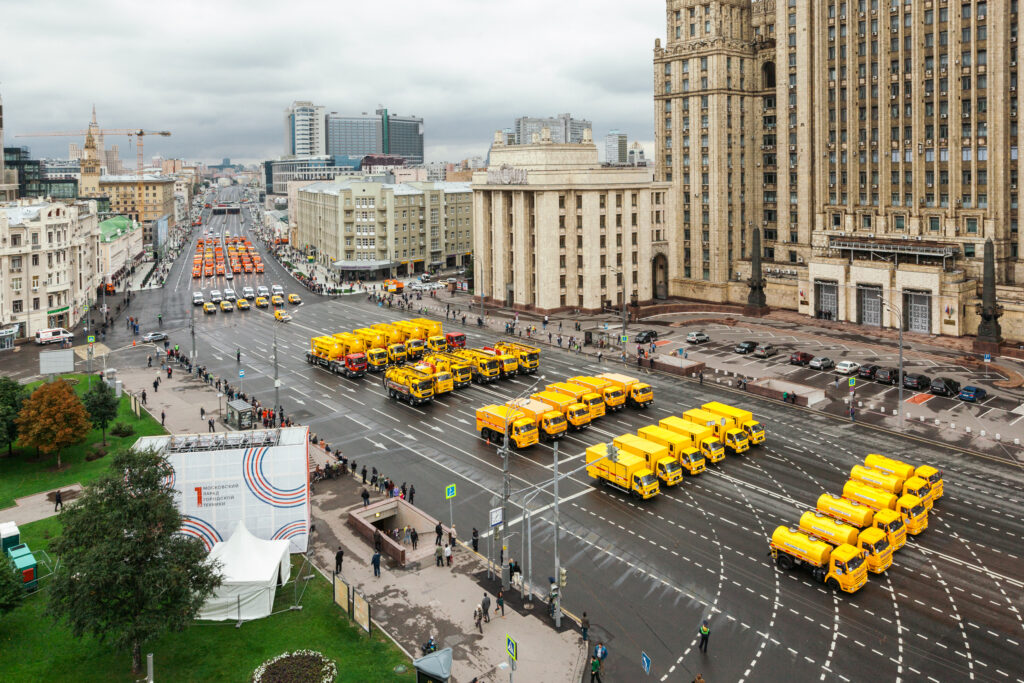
(508, 366)
(460, 371)
(915, 486)
(396, 354)
(332, 354)
(551, 424)
(613, 395)
(442, 379)
(902, 469)
(664, 466)
(837, 532)
(678, 447)
(911, 508)
(638, 394)
(412, 330)
(527, 356)
(735, 439)
(861, 516)
(493, 422)
(432, 327)
(627, 472)
(372, 339)
(392, 335)
(350, 342)
(700, 437)
(484, 367)
(407, 384)
(577, 414)
(843, 567)
(376, 360)
(743, 419)
(436, 344)
(592, 400)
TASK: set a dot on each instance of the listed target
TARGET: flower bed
(301, 666)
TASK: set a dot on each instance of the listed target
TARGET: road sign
(449, 492)
(645, 662)
(853, 382)
(85, 308)
(512, 648)
(988, 357)
(91, 339)
(623, 338)
(496, 516)
(241, 373)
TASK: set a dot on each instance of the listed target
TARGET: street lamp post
(277, 383)
(899, 409)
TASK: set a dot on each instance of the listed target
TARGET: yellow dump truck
(638, 394)
(577, 414)
(735, 439)
(664, 466)
(911, 508)
(485, 368)
(432, 327)
(837, 532)
(508, 366)
(551, 423)
(679, 447)
(915, 486)
(859, 515)
(527, 356)
(743, 419)
(840, 568)
(493, 422)
(907, 472)
(409, 385)
(591, 399)
(627, 472)
(613, 395)
(462, 374)
(702, 438)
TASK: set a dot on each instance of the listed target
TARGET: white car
(229, 294)
(263, 291)
(197, 299)
(697, 338)
(277, 289)
(215, 296)
(248, 292)
(847, 367)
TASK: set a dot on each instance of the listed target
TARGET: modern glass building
(379, 133)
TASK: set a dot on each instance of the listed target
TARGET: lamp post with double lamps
(893, 308)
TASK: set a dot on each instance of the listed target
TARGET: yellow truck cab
(664, 466)
(592, 400)
(911, 508)
(613, 395)
(577, 414)
(432, 327)
(508, 366)
(460, 371)
(494, 421)
(638, 394)
(842, 567)
(837, 532)
(915, 486)
(678, 447)
(702, 438)
(376, 359)
(735, 439)
(934, 479)
(550, 423)
(397, 354)
(859, 515)
(527, 356)
(436, 344)
(409, 384)
(891, 524)
(627, 472)
(743, 419)
(442, 379)
(484, 367)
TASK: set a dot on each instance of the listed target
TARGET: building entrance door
(660, 277)
(869, 305)
(917, 307)
(826, 298)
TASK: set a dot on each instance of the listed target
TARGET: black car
(868, 371)
(645, 337)
(944, 386)
(745, 347)
(917, 382)
(886, 375)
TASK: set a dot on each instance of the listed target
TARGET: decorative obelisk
(990, 333)
(756, 303)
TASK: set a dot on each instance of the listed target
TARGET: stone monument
(756, 303)
(990, 333)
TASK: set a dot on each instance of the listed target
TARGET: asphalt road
(647, 572)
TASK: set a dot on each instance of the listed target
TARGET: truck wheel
(832, 584)
(785, 562)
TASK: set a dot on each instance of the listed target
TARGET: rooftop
(112, 227)
(20, 214)
(134, 178)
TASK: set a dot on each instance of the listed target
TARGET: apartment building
(304, 133)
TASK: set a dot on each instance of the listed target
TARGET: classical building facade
(554, 229)
(874, 142)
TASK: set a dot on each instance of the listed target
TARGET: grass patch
(32, 648)
(22, 474)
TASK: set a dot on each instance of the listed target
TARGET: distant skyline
(219, 76)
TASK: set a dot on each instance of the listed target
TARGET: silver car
(822, 363)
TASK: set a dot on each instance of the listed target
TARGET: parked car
(426, 277)
(917, 382)
(765, 350)
(800, 358)
(645, 337)
(229, 294)
(973, 394)
(262, 291)
(745, 347)
(215, 296)
(847, 367)
(886, 376)
(697, 337)
(154, 336)
(868, 371)
(822, 363)
(944, 386)
(248, 292)
(197, 299)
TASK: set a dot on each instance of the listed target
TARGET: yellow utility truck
(891, 483)
(735, 439)
(911, 508)
(627, 472)
(700, 437)
(415, 338)
(861, 516)
(577, 414)
(591, 399)
(409, 385)
(613, 395)
(907, 472)
(432, 327)
(328, 352)
(664, 466)
(678, 447)
(493, 422)
(551, 423)
(638, 394)
(527, 356)
(508, 366)
(837, 532)
(744, 419)
(372, 339)
(460, 371)
(436, 343)
(840, 568)
(485, 367)
(442, 378)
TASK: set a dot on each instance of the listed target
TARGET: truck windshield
(594, 401)
(714, 446)
(378, 354)
(647, 480)
(415, 344)
(532, 357)
(398, 349)
(854, 563)
(935, 478)
(895, 525)
(917, 511)
(578, 412)
(673, 467)
(443, 377)
(756, 429)
(424, 386)
(643, 392)
(614, 393)
(557, 421)
(491, 364)
(879, 547)
(695, 458)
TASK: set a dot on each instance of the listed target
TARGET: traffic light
(562, 577)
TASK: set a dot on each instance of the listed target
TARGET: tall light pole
(479, 282)
(899, 314)
(624, 317)
(277, 383)
(192, 331)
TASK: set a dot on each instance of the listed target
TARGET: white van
(54, 335)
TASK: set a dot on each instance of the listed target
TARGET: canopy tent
(252, 569)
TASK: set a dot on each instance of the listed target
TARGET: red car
(800, 358)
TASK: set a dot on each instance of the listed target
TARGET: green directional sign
(449, 492)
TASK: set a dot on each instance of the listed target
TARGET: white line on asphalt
(386, 415)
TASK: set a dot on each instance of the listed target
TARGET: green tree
(102, 404)
(52, 418)
(126, 574)
(11, 396)
(11, 589)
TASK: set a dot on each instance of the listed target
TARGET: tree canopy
(101, 403)
(12, 590)
(52, 418)
(11, 396)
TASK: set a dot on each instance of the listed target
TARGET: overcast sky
(219, 74)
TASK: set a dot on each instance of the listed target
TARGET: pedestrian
(501, 603)
(376, 564)
(378, 540)
(701, 376)
(477, 616)
(412, 493)
(785, 397)
(365, 496)
(448, 554)
(364, 479)
(852, 414)
(338, 558)
(595, 670)
(143, 397)
(600, 651)
(475, 539)
(439, 532)
(211, 425)
(202, 413)
(406, 536)
(438, 556)
(705, 633)
(485, 605)
(415, 536)
(163, 417)
(452, 535)
(585, 626)
(156, 385)
(58, 501)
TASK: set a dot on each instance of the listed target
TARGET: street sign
(623, 338)
(988, 357)
(85, 309)
(512, 648)
(241, 373)
(853, 381)
(496, 516)
(449, 492)
(91, 339)
(645, 662)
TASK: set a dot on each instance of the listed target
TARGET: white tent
(252, 569)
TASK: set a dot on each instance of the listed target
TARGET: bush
(122, 429)
(98, 451)
(301, 666)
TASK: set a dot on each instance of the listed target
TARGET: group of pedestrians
(482, 612)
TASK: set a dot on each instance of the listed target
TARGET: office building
(874, 143)
(616, 149)
(379, 133)
(555, 229)
(277, 174)
(31, 178)
(562, 128)
(304, 133)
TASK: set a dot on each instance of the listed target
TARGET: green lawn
(33, 648)
(22, 475)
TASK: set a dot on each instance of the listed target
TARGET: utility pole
(558, 568)
(192, 330)
(505, 486)
(900, 371)
(277, 383)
